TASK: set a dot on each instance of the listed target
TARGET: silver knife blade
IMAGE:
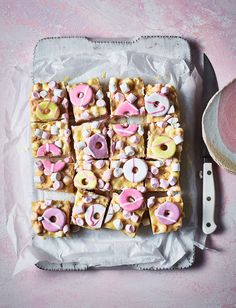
(210, 87)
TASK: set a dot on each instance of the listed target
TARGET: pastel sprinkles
(120, 157)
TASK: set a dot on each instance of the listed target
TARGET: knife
(210, 87)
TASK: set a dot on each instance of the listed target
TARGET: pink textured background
(211, 25)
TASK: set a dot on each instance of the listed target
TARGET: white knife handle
(208, 202)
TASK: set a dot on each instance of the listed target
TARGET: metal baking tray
(163, 46)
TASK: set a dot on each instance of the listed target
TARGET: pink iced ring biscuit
(53, 219)
(167, 213)
(58, 166)
(157, 104)
(48, 148)
(122, 130)
(126, 108)
(131, 199)
(81, 95)
(98, 146)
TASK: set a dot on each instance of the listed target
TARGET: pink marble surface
(210, 25)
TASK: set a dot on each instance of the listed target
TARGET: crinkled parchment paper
(104, 248)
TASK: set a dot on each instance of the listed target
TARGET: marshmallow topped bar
(126, 96)
(48, 102)
(126, 141)
(128, 173)
(125, 212)
(51, 218)
(160, 100)
(87, 100)
(51, 139)
(165, 142)
(93, 175)
(162, 174)
(166, 213)
(54, 174)
(89, 210)
(90, 140)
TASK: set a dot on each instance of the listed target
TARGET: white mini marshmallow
(177, 125)
(39, 165)
(87, 165)
(129, 150)
(142, 110)
(54, 130)
(178, 139)
(39, 179)
(124, 87)
(38, 133)
(107, 186)
(43, 94)
(112, 88)
(150, 201)
(131, 98)
(52, 84)
(95, 124)
(122, 156)
(129, 228)
(159, 163)
(119, 145)
(85, 115)
(86, 133)
(45, 135)
(116, 207)
(172, 180)
(117, 172)
(87, 151)
(175, 167)
(155, 183)
(58, 143)
(115, 164)
(126, 214)
(164, 90)
(141, 188)
(57, 185)
(58, 124)
(154, 170)
(80, 145)
(56, 176)
(99, 164)
(99, 94)
(134, 139)
(171, 110)
(134, 218)
(65, 229)
(118, 224)
(79, 221)
(172, 120)
(100, 103)
(59, 92)
(164, 183)
(110, 132)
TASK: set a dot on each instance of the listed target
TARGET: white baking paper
(104, 248)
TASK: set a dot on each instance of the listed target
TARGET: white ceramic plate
(219, 127)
